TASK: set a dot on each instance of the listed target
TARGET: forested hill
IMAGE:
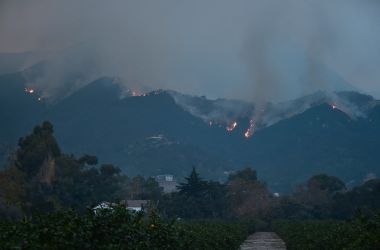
(153, 133)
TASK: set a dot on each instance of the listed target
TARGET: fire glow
(33, 92)
(29, 90)
(138, 93)
(231, 127)
(250, 130)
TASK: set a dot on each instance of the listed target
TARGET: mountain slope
(151, 134)
(320, 140)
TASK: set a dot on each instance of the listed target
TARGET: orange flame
(250, 130)
(231, 127)
(29, 90)
(138, 93)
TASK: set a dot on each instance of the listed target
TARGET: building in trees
(167, 182)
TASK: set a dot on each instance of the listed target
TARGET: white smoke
(263, 50)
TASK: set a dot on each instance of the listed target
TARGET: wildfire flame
(138, 93)
(29, 90)
(33, 92)
(333, 106)
(231, 127)
(250, 130)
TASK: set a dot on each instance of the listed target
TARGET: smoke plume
(263, 50)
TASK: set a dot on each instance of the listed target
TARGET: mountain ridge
(107, 120)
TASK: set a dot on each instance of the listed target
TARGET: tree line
(40, 178)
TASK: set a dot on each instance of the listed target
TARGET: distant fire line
(29, 90)
(250, 130)
(231, 127)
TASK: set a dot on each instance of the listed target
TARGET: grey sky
(252, 49)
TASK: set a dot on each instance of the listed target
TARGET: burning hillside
(29, 90)
(227, 113)
(231, 127)
(250, 130)
(233, 114)
(33, 92)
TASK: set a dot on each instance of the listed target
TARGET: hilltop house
(167, 182)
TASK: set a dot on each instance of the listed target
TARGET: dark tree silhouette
(194, 185)
(35, 148)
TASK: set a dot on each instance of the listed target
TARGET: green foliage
(364, 197)
(41, 179)
(361, 233)
(246, 174)
(194, 185)
(88, 159)
(214, 234)
(323, 182)
(197, 199)
(249, 196)
(119, 229)
(326, 197)
(35, 148)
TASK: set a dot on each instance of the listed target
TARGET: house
(137, 205)
(167, 182)
(104, 205)
(131, 205)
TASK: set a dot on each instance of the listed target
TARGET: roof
(136, 203)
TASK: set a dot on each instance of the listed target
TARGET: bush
(213, 234)
(360, 233)
(119, 229)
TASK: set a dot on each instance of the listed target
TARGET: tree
(194, 185)
(197, 199)
(109, 170)
(36, 148)
(246, 174)
(12, 185)
(43, 179)
(361, 199)
(318, 193)
(323, 182)
(249, 197)
(88, 159)
(151, 190)
(319, 189)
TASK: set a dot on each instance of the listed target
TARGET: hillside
(156, 133)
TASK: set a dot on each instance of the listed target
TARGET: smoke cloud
(299, 47)
(262, 50)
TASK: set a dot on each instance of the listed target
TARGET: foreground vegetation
(361, 233)
(119, 229)
(40, 179)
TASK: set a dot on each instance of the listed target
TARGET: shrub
(360, 233)
(119, 229)
(213, 234)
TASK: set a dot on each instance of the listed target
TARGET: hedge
(119, 229)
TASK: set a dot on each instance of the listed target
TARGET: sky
(257, 50)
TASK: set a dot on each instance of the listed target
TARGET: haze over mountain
(259, 51)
